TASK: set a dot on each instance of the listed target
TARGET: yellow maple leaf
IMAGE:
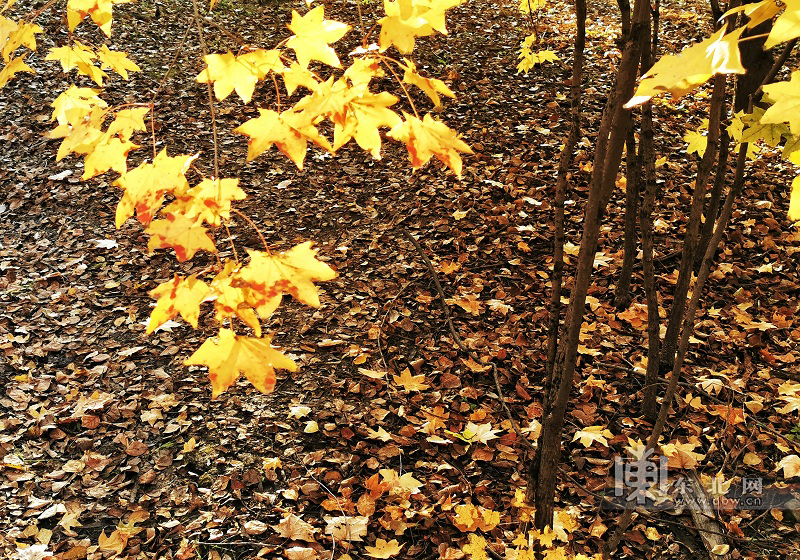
(476, 547)
(313, 35)
(406, 20)
(410, 382)
(361, 72)
(117, 61)
(74, 98)
(71, 56)
(330, 100)
(210, 201)
(228, 73)
(292, 272)
(17, 34)
(288, 131)
(232, 355)
(400, 485)
(184, 235)
(82, 133)
(384, 549)
(99, 10)
(10, 69)
(295, 76)
(401, 25)
(787, 26)
(127, 121)
(696, 141)
(591, 434)
(365, 115)
(682, 455)
(428, 137)
(470, 518)
(263, 61)
(179, 295)
(116, 541)
(111, 154)
(146, 184)
(529, 59)
(679, 74)
(786, 103)
(431, 86)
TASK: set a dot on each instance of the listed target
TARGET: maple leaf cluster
(181, 217)
(346, 101)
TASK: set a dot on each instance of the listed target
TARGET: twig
(460, 343)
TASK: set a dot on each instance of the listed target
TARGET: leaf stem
(254, 226)
(209, 90)
(385, 60)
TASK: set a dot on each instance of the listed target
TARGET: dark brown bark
(691, 238)
(686, 332)
(622, 293)
(648, 159)
(532, 471)
(608, 150)
(712, 209)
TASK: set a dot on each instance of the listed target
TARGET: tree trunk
(690, 241)
(622, 293)
(648, 158)
(610, 141)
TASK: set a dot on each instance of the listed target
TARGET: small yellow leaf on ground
(384, 549)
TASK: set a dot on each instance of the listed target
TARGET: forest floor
(111, 446)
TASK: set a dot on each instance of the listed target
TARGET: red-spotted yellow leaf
(232, 355)
(293, 272)
(184, 235)
(210, 201)
(179, 295)
(427, 138)
(146, 185)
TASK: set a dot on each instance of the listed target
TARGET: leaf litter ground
(104, 433)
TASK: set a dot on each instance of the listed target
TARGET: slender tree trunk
(567, 153)
(633, 166)
(690, 241)
(610, 141)
(686, 332)
(622, 293)
(648, 158)
(712, 209)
